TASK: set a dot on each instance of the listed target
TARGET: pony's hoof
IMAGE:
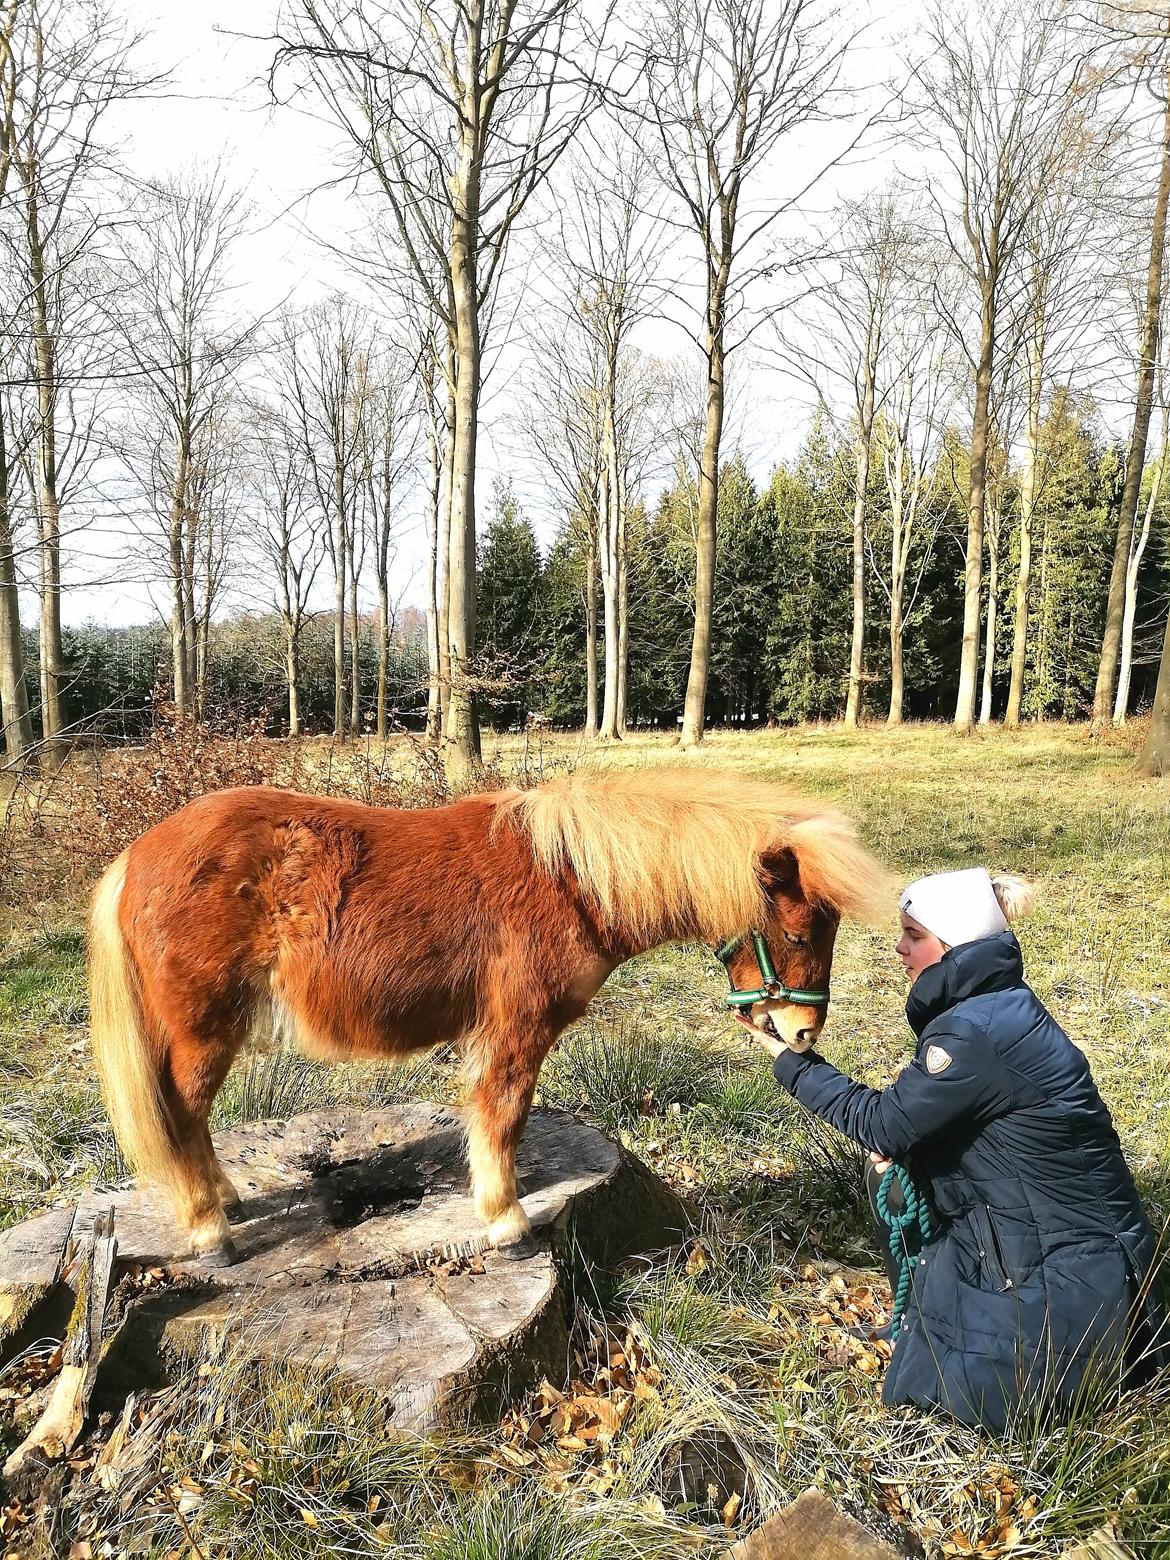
(520, 1250)
(225, 1255)
(234, 1209)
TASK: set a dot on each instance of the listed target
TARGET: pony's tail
(127, 1063)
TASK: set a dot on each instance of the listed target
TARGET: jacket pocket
(990, 1250)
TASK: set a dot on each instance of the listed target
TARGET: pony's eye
(794, 939)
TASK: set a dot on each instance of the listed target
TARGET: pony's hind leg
(500, 1103)
(198, 1068)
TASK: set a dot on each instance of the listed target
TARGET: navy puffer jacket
(1041, 1259)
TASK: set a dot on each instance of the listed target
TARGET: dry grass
(749, 1390)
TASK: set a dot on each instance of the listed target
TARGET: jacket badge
(937, 1060)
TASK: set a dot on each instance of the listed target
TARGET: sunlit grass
(754, 1389)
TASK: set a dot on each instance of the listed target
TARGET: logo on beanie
(937, 1060)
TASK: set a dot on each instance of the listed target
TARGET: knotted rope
(914, 1213)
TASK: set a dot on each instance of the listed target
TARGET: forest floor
(711, 1389)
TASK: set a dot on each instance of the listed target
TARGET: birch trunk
(694, 707)
(434, 523)
(461, 750)
(51, 655)
(607, 545)
(623, 611)
(180, 665)
(591, 637)
(1133, 569)
(1028, 490)
(14, 709)
(976, 508)
(1115, 608)
(993, 531)
(861, 474)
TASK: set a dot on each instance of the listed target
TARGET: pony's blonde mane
(676, 852)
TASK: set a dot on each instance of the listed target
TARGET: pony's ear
(779, 868)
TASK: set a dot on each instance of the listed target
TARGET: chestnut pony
(375, 932)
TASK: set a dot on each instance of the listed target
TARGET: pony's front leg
(500, 1103)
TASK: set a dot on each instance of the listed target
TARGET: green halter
(771, 990)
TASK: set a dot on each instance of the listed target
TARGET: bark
(355, 686)
(14, 709)
(1115, 609)
(993, 531)
(976, 508)
(861, 469)
(292, 668)
(1028, 491)
(1133, 569)
(461, 753)
(177, 561)
(591, 637)
(340, 552)
(623, 611)
(444, 582)
(52, 657)
(1155, 759)
(607, 525)
(434, 522)
(694, 707)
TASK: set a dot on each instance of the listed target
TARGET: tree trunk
(52, 657)
(355, 667)
(976, 504)
(1114, 611)
(694, 707)
(191, 524)
(434, 522)
(444, 584)
(180, 665)
(591, 638)
(292, 665)
(989, 643)
(1028, 490)
(340, 554)
(607, 544)
(1155, 759)
(14, 709)
(461, 752)
(623, 612)
(861, 474)
(1133, 569)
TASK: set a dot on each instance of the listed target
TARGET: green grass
(753, 1387)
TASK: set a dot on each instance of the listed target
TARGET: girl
(1039, 1268)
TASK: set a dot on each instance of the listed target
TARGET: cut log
(56, 1431)
(811, 1529)
(32, 1256)
(360, 1251)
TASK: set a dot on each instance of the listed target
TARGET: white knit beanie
(957, 907)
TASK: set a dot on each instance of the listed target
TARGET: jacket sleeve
(972, 1086)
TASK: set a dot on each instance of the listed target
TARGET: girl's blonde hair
(1016, 896)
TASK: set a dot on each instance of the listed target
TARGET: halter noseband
(771, 990)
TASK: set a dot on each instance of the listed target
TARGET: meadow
(710, 1387)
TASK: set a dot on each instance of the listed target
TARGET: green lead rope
(914, 1212)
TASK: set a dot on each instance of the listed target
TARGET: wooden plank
(811, 1529)
(58, 1428)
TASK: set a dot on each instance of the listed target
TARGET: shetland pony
(490, 923)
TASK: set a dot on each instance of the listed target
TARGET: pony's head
(780, 975)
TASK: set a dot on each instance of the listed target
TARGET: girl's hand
(767, 1042)
(880, 1165)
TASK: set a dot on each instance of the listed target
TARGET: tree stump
(360, 1251)
(811, 1528)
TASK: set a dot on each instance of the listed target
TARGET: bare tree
(63, 66)
(726, 82)
(289, 532)
(1155, 73)
(180, 334)
(457, 110)
(996, 89)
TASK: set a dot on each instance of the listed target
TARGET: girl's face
(917, 948)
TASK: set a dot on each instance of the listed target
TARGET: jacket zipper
(997, 1250)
